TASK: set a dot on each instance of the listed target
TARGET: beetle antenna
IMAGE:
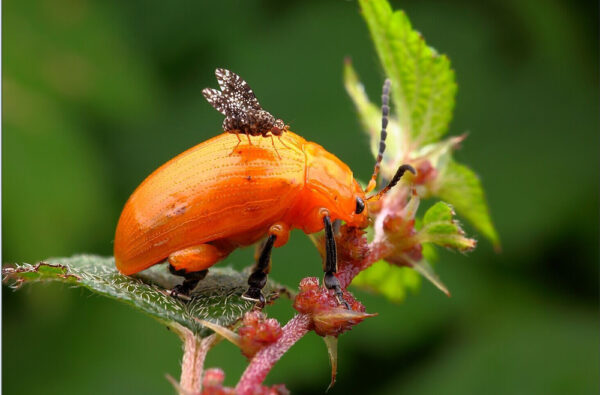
(399, 173)
(385, 112)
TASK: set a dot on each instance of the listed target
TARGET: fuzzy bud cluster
(257, 332)
(328, 317)
(212, 383)
(353, 250)
(401, 233)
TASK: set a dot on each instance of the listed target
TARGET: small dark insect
(243, 113)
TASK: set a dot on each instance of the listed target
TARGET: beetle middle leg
(330, 280)
(278, 236)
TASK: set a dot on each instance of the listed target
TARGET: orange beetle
(198, 207)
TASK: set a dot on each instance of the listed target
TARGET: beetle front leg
(330, 280)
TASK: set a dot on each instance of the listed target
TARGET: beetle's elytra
(219, 195)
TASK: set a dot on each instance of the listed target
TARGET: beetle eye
(360, 205)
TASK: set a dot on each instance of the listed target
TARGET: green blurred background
(97, 94)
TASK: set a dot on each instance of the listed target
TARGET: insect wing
(238, 92)
(216, 99)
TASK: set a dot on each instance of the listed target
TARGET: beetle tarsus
(341, 300)
(255, 295)
(332, 282)
(179, 291)
(191, 279)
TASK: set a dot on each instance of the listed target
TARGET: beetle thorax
(329, 185)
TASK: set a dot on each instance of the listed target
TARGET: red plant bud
(212, 384)
(425, 173)
(416, 252)
(257, 331)
(352, 243)
(353, 250)
(406, 257)
(328, 317)
(399, 226)
(213, 377)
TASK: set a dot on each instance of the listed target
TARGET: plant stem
(263, 361)
(192, 364)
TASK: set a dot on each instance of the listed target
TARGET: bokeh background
(97, 94)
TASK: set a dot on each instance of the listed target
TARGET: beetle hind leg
(190, 281)
(192, 264)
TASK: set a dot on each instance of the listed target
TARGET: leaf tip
(331, 343)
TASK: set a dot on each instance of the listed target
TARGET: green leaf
(423, 85)
(216, 298)
(439, 212)
(389, 280)
(461, 187)
(439, 227)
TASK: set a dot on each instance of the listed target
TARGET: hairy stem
(264, 360)
(192, 364)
